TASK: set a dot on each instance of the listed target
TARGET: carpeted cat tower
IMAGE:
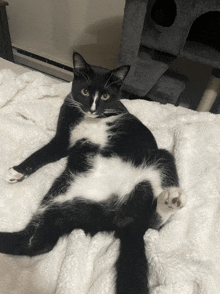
(156, 32)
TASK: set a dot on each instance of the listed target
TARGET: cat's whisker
(73, 102)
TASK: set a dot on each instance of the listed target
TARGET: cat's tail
(132, 266)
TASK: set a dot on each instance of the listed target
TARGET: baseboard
(42, 64)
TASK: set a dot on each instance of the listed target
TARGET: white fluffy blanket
(184, 256)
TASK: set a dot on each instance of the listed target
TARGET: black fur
(130, 141)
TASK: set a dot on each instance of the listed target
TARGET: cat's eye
(85, 92)
(105, 96)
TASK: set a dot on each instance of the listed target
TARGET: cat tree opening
(163, 12)
(206, 30)
(202, 43)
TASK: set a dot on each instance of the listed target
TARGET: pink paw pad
(12, 176)
(169, 201)
(18, 176)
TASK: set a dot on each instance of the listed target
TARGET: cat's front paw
(12, 176)
(170, 201)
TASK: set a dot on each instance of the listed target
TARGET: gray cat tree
(155, 32)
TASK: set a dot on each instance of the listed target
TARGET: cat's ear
(118, 75)
(80, 67)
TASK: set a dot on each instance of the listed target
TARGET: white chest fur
(92, 129)
(111, 176)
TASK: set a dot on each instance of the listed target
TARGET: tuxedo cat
(115, 180)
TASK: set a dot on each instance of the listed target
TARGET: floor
(199, 76)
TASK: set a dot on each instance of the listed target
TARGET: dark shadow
(163, 12)
(206, 30)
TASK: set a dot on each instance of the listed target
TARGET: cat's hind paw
(170, 201)
(12, 176)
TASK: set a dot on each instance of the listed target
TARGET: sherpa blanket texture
(184, 257)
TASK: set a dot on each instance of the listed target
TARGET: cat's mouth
(100, 115)
(92, 115)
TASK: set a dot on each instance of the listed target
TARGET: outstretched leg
(56, 220)
(38, 237)
(51, 152)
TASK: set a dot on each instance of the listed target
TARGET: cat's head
(95, 89)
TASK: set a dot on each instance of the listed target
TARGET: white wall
(54, 28)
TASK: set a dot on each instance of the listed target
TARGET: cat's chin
(91, 115)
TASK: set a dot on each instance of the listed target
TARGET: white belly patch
(93, 129)
(111, 176)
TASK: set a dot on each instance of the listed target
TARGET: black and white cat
(115, 180)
